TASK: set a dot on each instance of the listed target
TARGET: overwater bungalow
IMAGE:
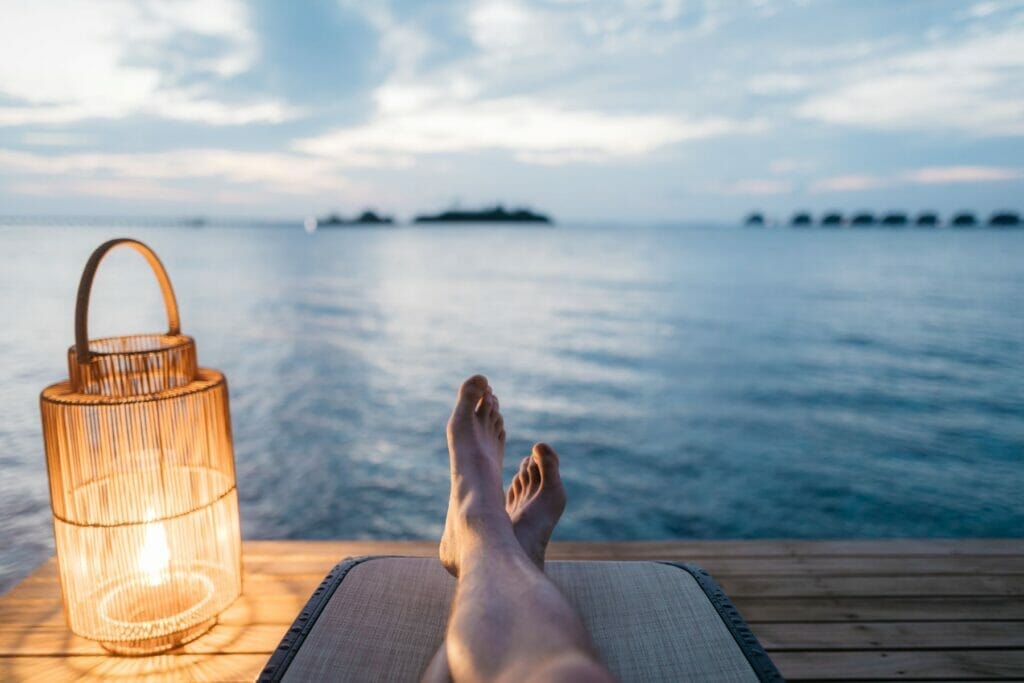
(964, 219)
(833, 219)
(801, 220)
(894, 219)
(927, 219)
(1005, 219)
(862, 219)
(755, 219)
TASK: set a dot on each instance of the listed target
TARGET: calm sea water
(698, 382)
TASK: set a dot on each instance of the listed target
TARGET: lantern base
(152, 646)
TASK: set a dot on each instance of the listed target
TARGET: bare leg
(534, 504)
(508, 621)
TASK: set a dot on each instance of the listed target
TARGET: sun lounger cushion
(382, 619)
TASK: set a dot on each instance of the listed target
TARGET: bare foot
(535, 501)
(476, 446)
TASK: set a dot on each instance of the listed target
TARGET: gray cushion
(382, 619)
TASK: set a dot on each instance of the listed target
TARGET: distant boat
(832, 220)
(801, 220)
(194, 222)
(1005, 219)
(862, 219)
(964, 219)
(496, 214)
(894, 219)
(755, 219)
(927, 219)
(365, 218)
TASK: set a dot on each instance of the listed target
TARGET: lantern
(142, 482)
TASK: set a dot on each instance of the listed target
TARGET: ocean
(698, 381)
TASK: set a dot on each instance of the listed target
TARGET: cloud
(976, 86)
(155, 173)
(944, 175)
(931, 175)
(847, 183)
(54, 138)
(778, 84)
(784, 166)
(65, 61)
(757, 187)
(419, 122)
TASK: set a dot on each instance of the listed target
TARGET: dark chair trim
(741, 633)
(303, 624)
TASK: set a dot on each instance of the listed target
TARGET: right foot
(476, 446)
(536, 499)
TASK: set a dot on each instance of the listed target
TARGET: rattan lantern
(142, 482)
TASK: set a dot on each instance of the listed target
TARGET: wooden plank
(863, 566)
(157, 669)
(957, 665)
(898, 635)
(878, 586)
(881, 609)
(743, 566)
(252, 583)
(692, 548)
(248, 609)
(59, 641)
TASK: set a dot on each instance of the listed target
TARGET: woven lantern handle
(85, 289)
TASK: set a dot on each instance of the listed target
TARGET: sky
(653, 110)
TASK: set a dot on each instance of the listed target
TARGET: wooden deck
(838, 610)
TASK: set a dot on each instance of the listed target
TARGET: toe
(546, 459)
(472, 390)
(534, 475)
(485, 406)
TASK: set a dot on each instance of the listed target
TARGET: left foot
(536, 499)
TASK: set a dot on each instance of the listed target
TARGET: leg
(534, 503)
(508, 621)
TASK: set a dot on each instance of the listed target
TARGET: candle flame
(154, 556)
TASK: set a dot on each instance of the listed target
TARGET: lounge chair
(382, 619)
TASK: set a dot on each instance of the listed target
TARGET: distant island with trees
(365, 218)
(891, 219)
(495, 214)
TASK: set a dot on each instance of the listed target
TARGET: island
(801, 220)
(964, 219)
(927, 219)
(755, 219)
(365, 218)
(496, 214)
(1005, 219)
(863, 218)
(832, 219)
(894, 219)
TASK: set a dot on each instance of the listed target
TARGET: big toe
(471, 391)
(546, 458)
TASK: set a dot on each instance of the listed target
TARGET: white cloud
(64, 61)
(784, 166)
(930, 175)
(943, 175)
(765, 186)
(778, 83)
(847, 183)
(973, 86)
(535, 132)
(118, 174)
(53, 138)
